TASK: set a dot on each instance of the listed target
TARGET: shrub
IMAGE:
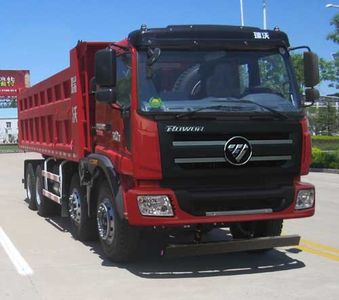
(322, 159)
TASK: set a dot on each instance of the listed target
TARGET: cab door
(112, 126)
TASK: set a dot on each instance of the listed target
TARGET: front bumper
(181, 217)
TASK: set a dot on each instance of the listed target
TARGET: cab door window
(123, 86)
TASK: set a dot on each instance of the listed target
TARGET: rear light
(157, 206)
(305, 199)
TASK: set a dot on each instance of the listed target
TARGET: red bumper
(181, 217)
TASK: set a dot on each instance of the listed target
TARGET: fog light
(305, 199)
(155, 206)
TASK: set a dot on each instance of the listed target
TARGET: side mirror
(105, 75)
(105, 67)
(311, 69)
(105, 95)
(310, 96)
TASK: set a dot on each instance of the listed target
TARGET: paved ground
(58, 267)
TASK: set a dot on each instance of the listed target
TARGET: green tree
(328, 70)
(298, 63)
(326, 119)
(334, 35)
(333, 74)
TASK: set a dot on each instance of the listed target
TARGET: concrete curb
(321, 170)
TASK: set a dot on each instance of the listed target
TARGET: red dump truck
(178, 127)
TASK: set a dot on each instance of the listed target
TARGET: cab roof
(208, 36)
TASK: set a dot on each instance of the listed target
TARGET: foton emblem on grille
(237, 150)
(174, 128)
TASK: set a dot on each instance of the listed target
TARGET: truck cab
(212, 121)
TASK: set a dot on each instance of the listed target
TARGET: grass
(8, 148)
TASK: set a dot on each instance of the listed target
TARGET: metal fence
(324, 116)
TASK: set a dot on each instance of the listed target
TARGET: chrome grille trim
(271, 158)
(199, 160)
(271, 142)
(190, 160)
(239, 212)
(222, 143)
(198, 143)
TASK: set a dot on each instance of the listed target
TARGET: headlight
(159, 206)
(305, 199)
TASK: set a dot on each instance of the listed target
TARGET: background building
(8, 125)
(11, 82)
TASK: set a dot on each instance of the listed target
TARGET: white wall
(6, 133)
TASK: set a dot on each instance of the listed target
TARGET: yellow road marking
(319, 246)
(319, 249)
(318, 252)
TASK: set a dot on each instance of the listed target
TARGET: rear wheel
(118, 239)
(83, 227)
(45, 206)
(30, 187)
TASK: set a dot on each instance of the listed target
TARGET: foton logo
(174, 128)
(238, 151)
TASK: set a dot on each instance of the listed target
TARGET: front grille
(275, 146)
(211, 152)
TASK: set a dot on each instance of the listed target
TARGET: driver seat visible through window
(223, 81)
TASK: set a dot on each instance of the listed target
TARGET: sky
(37, 35)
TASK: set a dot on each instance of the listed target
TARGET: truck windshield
(184, 81)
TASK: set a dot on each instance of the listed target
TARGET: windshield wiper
(279, 114)
(276, 113)
(192, 112)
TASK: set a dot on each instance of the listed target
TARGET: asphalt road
(39, 259)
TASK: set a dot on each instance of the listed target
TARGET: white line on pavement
(18, 261)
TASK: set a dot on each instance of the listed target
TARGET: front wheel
(118, 239)
(243, 230)
(247, 230)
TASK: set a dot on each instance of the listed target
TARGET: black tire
(269, 228)
(45, 206)
(245, 230)
(83, 227)
(118, 239)
(30, 187)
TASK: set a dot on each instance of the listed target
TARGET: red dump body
(56, 115)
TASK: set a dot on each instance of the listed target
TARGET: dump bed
(57, 114)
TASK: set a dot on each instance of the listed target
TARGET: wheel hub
(29, 184)
(75, 206)
(37, 194)
(105, 221)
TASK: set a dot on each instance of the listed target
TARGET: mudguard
(88, 169)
